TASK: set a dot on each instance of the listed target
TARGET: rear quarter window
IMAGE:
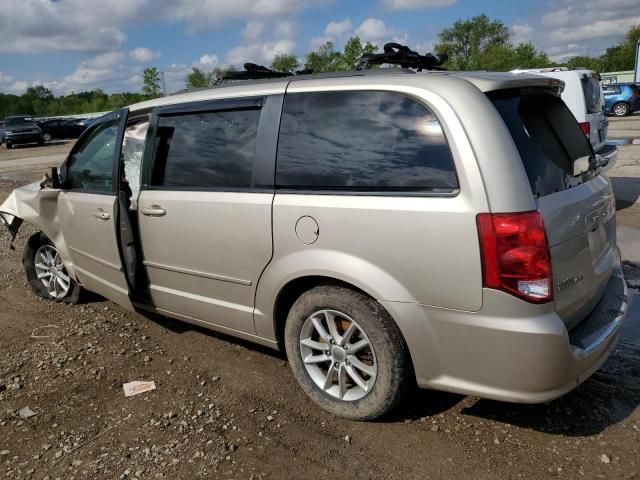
(368, 141)
(591, 91)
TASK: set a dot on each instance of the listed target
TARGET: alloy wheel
(620, 110)
(51, 272)
(338, 355)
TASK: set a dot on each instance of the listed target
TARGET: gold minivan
(386, 228)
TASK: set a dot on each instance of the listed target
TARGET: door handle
(101, 214)
(153, 211)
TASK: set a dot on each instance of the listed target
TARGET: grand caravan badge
(569, 282)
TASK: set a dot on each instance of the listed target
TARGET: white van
(583, 95)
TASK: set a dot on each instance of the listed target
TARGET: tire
(620, 109)
(46, 137)
(386, 357)
(9, 146)
(37, 246)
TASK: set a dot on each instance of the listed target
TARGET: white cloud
(416, 4)
(578, 27)
(143, 55)
(285, 29)
(5, 78)
(253, 30)
(374, 30)
(261, 53)
(209, 60)
(94, 73)
(337, 29)
(92, 26)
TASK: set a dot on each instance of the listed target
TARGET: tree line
(478, 43)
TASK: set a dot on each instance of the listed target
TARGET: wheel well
(290, 293)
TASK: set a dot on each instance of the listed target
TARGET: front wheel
(346, 353)
(9, 146)
(620, 109)
(46, 273)
(47, 137)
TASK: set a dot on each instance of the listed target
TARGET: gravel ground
(224, 408)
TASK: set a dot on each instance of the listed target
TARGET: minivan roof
(484, 81)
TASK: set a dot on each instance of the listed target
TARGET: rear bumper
(513, 351)
(606, 157)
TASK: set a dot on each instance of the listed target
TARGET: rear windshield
(546, 135)
(591, 90)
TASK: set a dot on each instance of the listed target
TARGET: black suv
(21, 129)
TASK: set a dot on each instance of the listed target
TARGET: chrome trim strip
(197, 273)
(95, 259)
(200, 298)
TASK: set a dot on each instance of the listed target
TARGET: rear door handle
(101, 214)
(153, 211)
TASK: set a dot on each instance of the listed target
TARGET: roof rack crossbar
(252, 71)
(396, 54)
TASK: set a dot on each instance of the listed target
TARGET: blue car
(621, 99)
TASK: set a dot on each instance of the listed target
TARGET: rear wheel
(9, 146)
(620, 109)
(46, 273)
(47, 137)
(347, 353)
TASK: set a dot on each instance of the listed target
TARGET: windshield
(546, 135)
(12, 122)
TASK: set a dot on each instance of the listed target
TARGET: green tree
(197, 79)
(284, 63)
(151, 82)
(503, 58)
(39, 91)
(467, 40)
(325, 59)
(590, 63)
(353, 50)
(622, 56)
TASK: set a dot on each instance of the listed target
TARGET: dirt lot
(228, 409)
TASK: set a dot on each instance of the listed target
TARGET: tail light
(586, 128)
(515, 255)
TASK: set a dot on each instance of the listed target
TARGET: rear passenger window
(205, 149)
(362, 141)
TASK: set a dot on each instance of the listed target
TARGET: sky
(78, 45)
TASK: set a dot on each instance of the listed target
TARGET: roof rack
(396, 54)
(252, 71)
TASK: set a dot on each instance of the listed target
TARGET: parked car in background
(384, 227)
(1, 133)
(621, 99)
(60, 129)
(582, 93)
(21, 129)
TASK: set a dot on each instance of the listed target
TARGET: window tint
(91, 164)
(591, 91)
(547, 137)
(206, 149)
(370, 141)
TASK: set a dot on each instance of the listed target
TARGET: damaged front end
(36, 203)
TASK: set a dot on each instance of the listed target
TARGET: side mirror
(55, 178)
(60, 175)
(581, 165)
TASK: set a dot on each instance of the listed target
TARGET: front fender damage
(35, 204)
